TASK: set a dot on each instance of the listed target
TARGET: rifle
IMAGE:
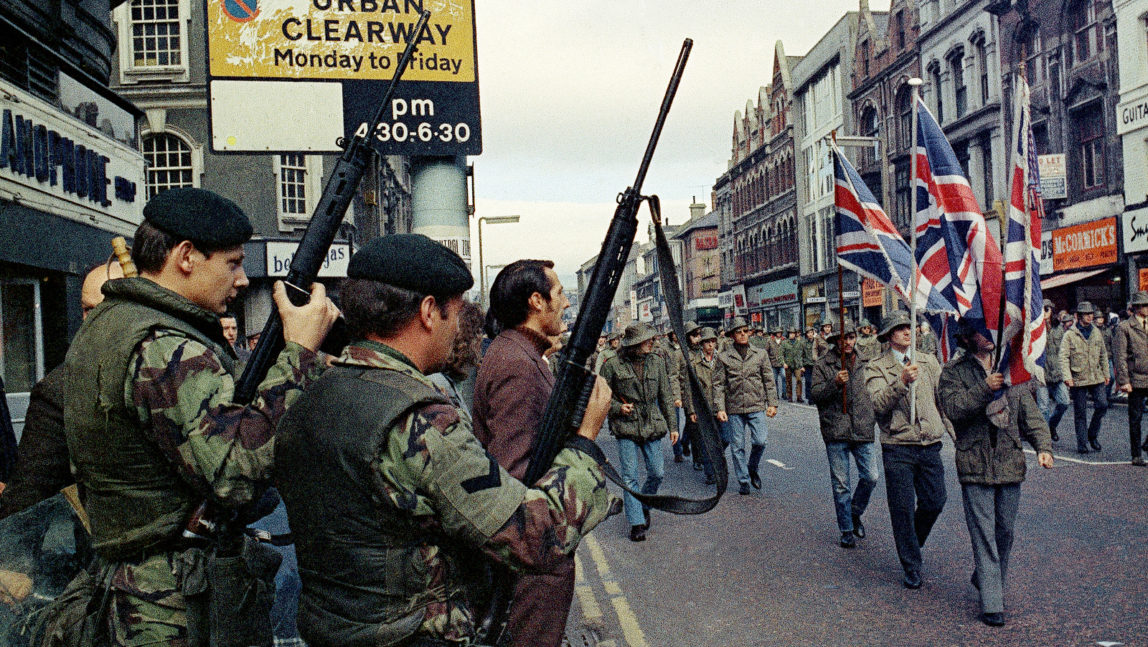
(575, 382)
(321, 230)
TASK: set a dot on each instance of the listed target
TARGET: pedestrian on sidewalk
(847, 423)
(705, 364)
(1084, 360)
(744, 394)
(641, 412)
(1130, 347)
(990, 461)
(910, 447)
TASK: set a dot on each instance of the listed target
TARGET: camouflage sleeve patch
(182, 396)
(433, 467)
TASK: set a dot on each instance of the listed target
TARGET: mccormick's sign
(1086, 245)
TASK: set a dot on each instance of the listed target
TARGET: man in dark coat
(514, 383)
(847, 422)
(990, 462)
(1130, 350)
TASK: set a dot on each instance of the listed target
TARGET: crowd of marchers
(395, 462)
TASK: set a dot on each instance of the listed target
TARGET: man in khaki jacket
(1084, 360)
(1130, 347)
(744, 394)
(910, 447)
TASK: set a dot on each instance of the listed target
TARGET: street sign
(295, 75)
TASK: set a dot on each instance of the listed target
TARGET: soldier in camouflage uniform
(392, 499)
(151, 426)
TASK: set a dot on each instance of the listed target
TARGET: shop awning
(1065, 279)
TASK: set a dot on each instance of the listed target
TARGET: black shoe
(678, 458)
(743, 488)
(1081, 450)
(1055, 437)
(1139, 461)
(637, 533)
(858, 527)
(975, 581)
(685, 450)
(755, 480)
(1095, 444)
(711, 480)
(698, 466)
(993, 619)
(847, 540)
(912, 580)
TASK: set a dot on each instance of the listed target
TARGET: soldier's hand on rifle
(909, 375)
(995, 381)
(596, 410)
(842, 378)
(308, 324)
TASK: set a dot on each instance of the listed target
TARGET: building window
(1090, 143)
(960, 91)
(1087, 39)
(865, 58)
(297, 180)
(982, 62)
(21, 335)
(935, 73)
(28, 65)
(904, 207)
(153, 39)
(987, 169)
(1034, 63)
(905, 115)
(900, 21)
(169, 162)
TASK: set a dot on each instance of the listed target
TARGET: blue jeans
(1053, 402)
(851, 505)
(1088, 430)
(735, 430)
(651, 452)
(779, 381)
(681, 444)
(808, 377)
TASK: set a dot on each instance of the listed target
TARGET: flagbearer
(1130, 347)
(990, 462)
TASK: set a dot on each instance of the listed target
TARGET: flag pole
(915, 84)
(841, 311)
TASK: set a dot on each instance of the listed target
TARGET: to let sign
(872, 293)
(1086, 245)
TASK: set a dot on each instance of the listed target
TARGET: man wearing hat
(808, 349)
(1052, 396)
(926, 340)
(910, 446)
(1130, 346)
(613, 343)
(990, 467)
(705, 363)
(776, 357)
(867, 344)
(1084, 360)
(641, 414)
(688, 441)
(151, 426)
(791, 351)
(390, 495)
(820, 341)
(744, 394)
(847, 421)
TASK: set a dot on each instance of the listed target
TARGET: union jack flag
(867, 242)
(958, 257)
(1024, 335)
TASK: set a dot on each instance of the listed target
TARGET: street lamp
(494, 220)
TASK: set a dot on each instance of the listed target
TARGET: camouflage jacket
(435, 483)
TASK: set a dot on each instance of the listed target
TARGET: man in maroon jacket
(510, 394)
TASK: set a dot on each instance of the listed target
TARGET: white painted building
(1132, 127)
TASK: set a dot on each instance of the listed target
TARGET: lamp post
(494, 220)
(486, 273)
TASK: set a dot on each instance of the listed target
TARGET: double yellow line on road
(592, 611)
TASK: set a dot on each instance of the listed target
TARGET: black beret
(199, 216)
(413, 262)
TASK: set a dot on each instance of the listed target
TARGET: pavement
(765, 569)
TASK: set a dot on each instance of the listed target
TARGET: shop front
(1135, 228)
(1085, 266)
(71, 179)
(822, 303)
(774, 304)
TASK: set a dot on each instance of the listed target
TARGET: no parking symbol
(240, 10)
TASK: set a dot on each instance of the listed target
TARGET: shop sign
(739, 303)
(702, 243)
(1053, 176)
(872, 293)
(771, 294)
(66, 166)
(1136, 231)
(1144, 278)
(1087, 245)
(646, 311)
(633, 305)
(1046, 253)
(725, 300)
(814, 300)
(1131, 116)
(279, 254)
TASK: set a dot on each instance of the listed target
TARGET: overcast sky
(569, 94)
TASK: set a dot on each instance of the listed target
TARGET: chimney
(697, 209)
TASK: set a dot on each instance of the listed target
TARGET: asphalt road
(765, 569)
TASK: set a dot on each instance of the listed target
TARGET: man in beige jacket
(910, 446)
(1084, 361)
